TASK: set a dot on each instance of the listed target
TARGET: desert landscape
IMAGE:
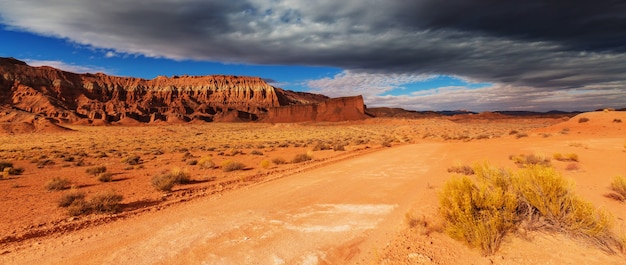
(310, 133)
(364, 188)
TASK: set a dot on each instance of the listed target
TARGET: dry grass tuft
(618, 186)
(481, 213)
(583, 120)
(96, 170)
(461, 169)
(106, 202)
(567, 157)
(529, 160)
(265, 164)
(228, 166)
(206, 162)
(57, 183)
(279, 161)
(299, 158)
(165, 182)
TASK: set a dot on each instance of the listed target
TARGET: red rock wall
(334, 109)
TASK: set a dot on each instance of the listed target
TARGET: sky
(420, 55)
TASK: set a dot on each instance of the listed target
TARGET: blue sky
(419, 55)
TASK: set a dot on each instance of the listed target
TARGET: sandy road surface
(340, 213)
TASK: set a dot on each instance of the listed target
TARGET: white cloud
(349, 83)
(110, 54)
(65, 66)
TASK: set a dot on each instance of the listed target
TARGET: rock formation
(70, 97)
(335, 109)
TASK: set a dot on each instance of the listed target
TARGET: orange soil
(377, 188)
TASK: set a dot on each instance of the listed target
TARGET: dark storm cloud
(548, 45)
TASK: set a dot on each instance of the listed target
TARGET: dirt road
(340, 213)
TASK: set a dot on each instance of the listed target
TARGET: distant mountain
(98, 98)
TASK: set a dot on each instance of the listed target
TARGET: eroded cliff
(71, 97)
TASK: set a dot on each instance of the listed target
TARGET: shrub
(105, 177)
(192, 162)
(339, 147)
(526, 160)
(279, 161)
(567, 157)
(618, 186)
(478, 214)
(321, 146)
(617, 120)
(69, 198)
(57, 183)
(228, 166)
(96, 170)
(300, 158)
(256, 152)
(583, 119)
(461, 169)
(5, 164)
(132, 160)
(481, 213)
(521, 135)
(165, 182)
(107, 202)
(206, 162)
(265, 164)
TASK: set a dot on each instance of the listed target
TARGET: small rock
(418, 258)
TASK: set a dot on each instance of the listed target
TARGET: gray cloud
(555, 47)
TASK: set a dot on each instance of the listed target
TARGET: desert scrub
(5, 164)
(96, 170)
(482, 212)
(68, 198)
(206, 162)
(105, 177)
(256, 152)
(132, 160)
(566, 157)
(461, 169)
(265, 164)
(228, 166)
(527, 160)
(57, 183)
(105, 202)
(279, 161)
(299, 158)
(618, 188)
(583, 119)
(166, 181)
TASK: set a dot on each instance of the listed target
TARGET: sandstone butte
(64, 97)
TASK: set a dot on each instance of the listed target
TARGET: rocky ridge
(98, 98)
